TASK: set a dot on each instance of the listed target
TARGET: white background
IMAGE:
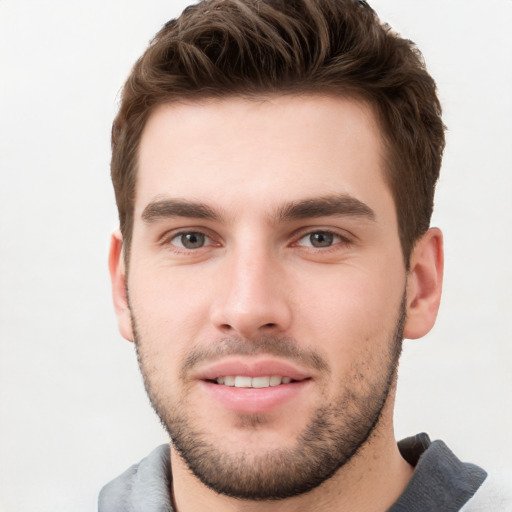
(73, 413)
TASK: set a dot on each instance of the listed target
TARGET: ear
(118, 278)
(424, 284)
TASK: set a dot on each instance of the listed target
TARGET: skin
(258, 274)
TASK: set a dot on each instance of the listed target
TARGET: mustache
(280, 346)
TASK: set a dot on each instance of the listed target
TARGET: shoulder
(494, 495)
(144, 487)
(441, 481)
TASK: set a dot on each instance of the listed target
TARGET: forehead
(237, 151)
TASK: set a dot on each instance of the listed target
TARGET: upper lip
(251, 368)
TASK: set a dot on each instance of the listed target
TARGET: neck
(371, 482)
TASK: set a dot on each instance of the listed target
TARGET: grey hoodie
(440, 483)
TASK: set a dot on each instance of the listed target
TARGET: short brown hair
(222, 48)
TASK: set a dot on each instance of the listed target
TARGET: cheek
(170, 310)
(352, 313)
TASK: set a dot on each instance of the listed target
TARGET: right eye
(191, 240)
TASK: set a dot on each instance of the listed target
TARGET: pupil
(192, 240)
(321, 239)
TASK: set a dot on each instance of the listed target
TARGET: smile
(253, 385)
(242, 381)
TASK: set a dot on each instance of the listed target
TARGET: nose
(252, 299)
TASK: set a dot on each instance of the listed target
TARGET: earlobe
(424, 284)
(116, 267)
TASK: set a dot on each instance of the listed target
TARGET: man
(274, 164)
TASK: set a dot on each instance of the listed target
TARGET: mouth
(254, 386)
(251, 372)
(245, 381)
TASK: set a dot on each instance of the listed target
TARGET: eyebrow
(168, 208)
(325, 206)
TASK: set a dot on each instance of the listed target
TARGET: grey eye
(321, 239)
(191, 240)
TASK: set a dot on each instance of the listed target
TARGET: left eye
(319, 239)
(190, 240)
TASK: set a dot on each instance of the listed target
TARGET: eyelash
(167, 240)
(344, 240)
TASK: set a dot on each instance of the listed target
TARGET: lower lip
(252, 400)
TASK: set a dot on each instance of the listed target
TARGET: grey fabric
(144, 487)
(440, 483)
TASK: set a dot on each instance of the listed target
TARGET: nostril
(272, 325)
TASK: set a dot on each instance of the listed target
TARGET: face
(266, 287)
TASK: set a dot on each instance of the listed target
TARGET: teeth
(242, 381)
(260, 382)
(275, 380)
(228, 381)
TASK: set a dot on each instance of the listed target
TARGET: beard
(332, 437)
